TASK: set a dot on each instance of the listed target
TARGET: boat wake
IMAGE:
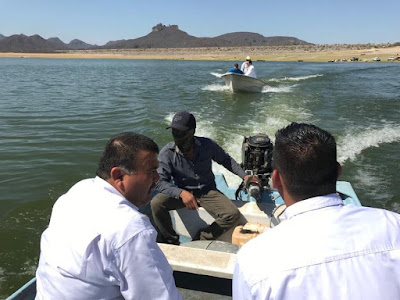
(278, 89)
(354, 143)
(217, 74)
(215, 88)
(299, 78)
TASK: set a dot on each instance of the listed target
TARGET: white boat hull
(242, 83)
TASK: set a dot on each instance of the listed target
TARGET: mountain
(79, 45)
(23, 43)
(172, 37)
(255, 39)
(161, 36)
(164, 37)
(58, 43)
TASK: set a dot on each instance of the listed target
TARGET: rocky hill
(161, 36)
(254, 39)
(172, 37)
(78, 44)
(23, 43)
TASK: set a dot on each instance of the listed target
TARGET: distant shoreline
(283, 53)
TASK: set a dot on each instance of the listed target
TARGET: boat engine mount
(257, 163)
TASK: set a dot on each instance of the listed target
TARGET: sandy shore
(317, 53)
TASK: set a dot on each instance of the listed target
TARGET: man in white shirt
(247, 68)
(324, 249)
(98, 245)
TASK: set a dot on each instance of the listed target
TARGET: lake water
(57, 114)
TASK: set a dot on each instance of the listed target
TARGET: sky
(101, 21)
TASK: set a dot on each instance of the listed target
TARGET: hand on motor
(189, 200)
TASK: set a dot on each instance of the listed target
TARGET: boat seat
(200, 261)
(218, 246)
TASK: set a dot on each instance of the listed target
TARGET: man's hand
(189, 200)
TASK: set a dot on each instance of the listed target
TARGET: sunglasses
(178, 134)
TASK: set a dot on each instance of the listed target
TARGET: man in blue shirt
(235, 69)
(187, 162)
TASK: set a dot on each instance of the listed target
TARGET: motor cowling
(257, 162)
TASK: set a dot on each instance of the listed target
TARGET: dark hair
(236, 65)
(122, 150)
(305, 156)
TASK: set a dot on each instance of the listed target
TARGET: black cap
(183, 120)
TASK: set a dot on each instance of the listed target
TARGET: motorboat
(205, 268)
(242, 83)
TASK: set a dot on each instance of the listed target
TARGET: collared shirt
(192, 175)
(98, 246)
(244, 67)
(250, 71)
(324, 250)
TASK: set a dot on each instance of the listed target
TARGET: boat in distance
(242, 83)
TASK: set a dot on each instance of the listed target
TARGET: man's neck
(189, 154)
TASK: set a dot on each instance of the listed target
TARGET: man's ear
(276, 179)
(117, 176)
(339, 169)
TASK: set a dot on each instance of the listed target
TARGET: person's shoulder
(261, 256)
(204, 141)
(167, 148)
(384, 213)
(125, 224)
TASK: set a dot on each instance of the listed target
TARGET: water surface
(57, 114)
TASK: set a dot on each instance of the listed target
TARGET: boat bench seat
(200, 261)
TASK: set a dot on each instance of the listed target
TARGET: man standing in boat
(324, 249)
(187, 180)
(98, 245)
(247, 68)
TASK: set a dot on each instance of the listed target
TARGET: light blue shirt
(324, 250)
(98, 246)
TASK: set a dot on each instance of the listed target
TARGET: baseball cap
(183, 120)
(248, 58)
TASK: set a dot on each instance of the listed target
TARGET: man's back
(323, 251)
(95, 248)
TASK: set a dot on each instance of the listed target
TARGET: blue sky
(100, 21)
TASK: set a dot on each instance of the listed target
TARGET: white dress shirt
(250, 71)
(98, 246)
(324, 250)
(243, 67)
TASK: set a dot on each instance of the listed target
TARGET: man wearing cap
(248, 68)
(235, 69)
(187, 162)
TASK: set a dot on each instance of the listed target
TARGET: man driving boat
(187, 180)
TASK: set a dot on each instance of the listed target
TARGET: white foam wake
(215, 88)
(278, 89)
(217, 74)
(299, 78)
(353, 143)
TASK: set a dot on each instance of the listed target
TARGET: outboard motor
(257, 162)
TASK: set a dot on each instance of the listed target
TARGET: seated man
(187, 161)
(235, 69)
(324, 249)
(98, 245)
